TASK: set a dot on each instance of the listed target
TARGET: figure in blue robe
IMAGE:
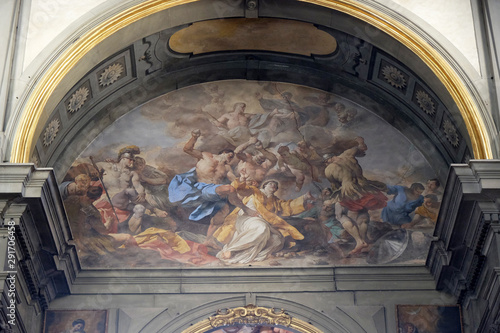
(188, 192)
(404, 202)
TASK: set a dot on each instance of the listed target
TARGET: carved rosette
(78, 99)
(425, 102)
(394, 77)
(250, 314)
(451, 133)
(51, 132)
(110, 75)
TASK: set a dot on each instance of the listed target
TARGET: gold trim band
(24, 138)
(26, 130)
(480, 141)
(251, 315)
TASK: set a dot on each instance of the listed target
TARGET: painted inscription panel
(239, 173)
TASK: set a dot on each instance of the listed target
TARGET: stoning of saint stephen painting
(239, 173)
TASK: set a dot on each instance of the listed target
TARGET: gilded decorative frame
(251, 314)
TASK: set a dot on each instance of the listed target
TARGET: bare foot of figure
(358, 249)
(366, 249)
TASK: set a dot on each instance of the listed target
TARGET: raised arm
(136, 181)
(189, 146)
(222, 121)
(240, 150)
(273, 159)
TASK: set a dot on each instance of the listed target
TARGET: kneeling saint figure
(254, 238)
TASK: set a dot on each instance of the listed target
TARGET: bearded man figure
(354, 193)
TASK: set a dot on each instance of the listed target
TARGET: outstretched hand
(141, 197)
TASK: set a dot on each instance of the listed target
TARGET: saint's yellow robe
(270, 208)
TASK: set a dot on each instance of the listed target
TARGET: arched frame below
(24, 138)
(296, 324)
(251, 312)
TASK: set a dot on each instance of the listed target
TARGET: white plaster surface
(452, 18)
(48, 18)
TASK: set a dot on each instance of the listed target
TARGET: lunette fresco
(244, 173)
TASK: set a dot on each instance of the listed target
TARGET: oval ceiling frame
(22, 144)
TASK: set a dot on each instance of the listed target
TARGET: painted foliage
(238, 173)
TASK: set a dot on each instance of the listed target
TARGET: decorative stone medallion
(110, 75)
(394, 77)
(51, 132)
(425, 102)
(451, 133)
(78, 99)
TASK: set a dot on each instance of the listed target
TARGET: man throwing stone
(205, 186)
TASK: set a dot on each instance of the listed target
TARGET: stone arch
(302, 318)
(38, 103)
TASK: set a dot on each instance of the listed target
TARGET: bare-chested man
(235, 118)
(257, 165)
(310, 154)
(117, 176)
(123, 186)
(122, 182)
(355, 193)
(233, 125)
(298, 165)
(203, 186)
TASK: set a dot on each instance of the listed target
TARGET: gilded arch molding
(24, 137)
(251, 314)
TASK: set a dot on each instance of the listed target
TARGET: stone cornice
(34, 204)
(327, 279)
(465, 257)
